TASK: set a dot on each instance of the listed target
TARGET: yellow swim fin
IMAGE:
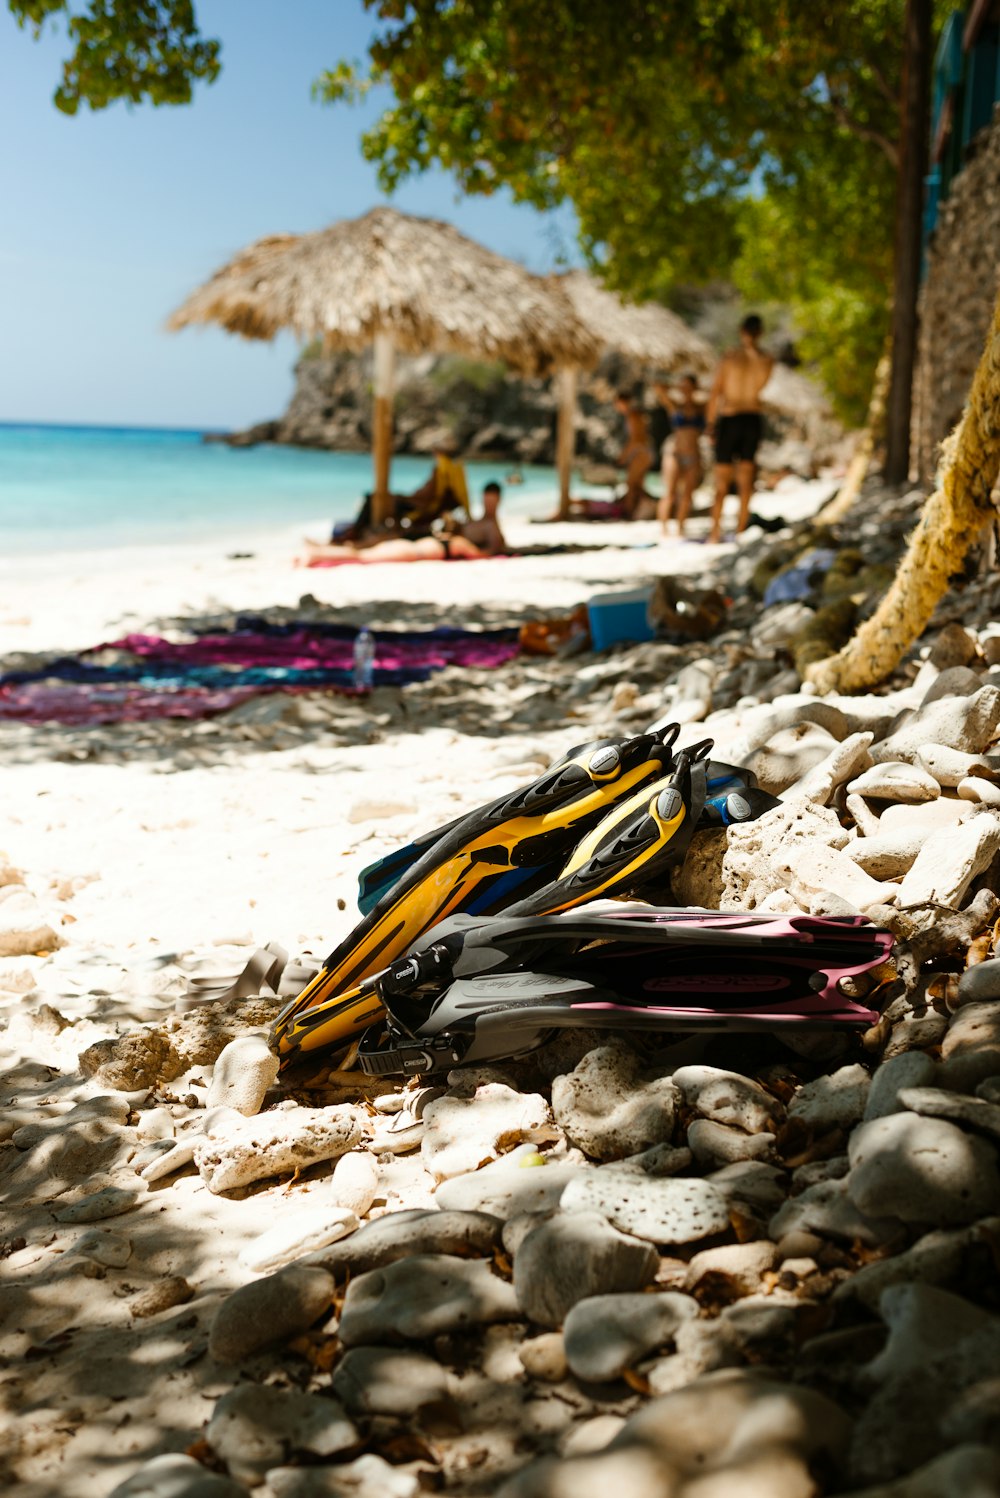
(471, 868)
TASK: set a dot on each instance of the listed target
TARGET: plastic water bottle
(364, 661)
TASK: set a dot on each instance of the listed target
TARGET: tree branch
(888, 147)
(883, 85)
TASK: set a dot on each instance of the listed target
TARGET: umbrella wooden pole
(565, 433)
(385, 361)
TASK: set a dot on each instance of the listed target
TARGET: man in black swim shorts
(734, 417)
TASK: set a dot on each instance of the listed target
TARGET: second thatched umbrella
(401, 283)
(646, 332)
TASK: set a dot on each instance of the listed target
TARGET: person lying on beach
(682, 466)
(476, 538)
(636, 458)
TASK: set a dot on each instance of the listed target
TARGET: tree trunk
(952, 518)
(915, 125)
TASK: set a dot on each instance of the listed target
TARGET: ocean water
(72, 488)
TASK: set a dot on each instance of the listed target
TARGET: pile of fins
(467, 949)
(477, 990)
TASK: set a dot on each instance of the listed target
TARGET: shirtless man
(739, 380)
(485, 533)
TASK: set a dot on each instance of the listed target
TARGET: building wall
(963, 278)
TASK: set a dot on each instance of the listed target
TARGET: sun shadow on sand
(528, 694)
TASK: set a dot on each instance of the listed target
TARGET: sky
(109, 218)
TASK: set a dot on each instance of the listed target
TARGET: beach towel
(152, 677)
(310, 649)
(359, 561)
(74, 705)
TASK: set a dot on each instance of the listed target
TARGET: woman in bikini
(636, 458)
(682, 466)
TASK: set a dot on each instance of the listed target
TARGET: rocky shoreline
(487, 413)
(722, 1266)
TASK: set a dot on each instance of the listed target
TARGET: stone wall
(958, 296)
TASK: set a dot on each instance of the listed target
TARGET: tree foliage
(126, 49)
(694, 138)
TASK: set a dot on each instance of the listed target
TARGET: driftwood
(874, 430)
(951, 520)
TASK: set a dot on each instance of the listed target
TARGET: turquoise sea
(66, 488)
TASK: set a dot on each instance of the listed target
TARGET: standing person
(734, 413)
(636, 457)
(682, 466)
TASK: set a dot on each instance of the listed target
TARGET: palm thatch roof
(417, 279)
(643, 331)
(789, 393)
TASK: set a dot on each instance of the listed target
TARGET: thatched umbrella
(788, 393)
(398, 282)
(646, 332)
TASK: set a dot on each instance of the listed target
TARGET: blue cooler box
(615, 617)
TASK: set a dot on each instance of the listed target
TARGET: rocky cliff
(488, 413)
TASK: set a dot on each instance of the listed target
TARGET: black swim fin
(476, 991)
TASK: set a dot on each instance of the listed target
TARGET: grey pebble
(423, 1296)
(112, 1201)
(606, 1334)
(908, 1069)
(970, 1112)
(397, 1235)
(970, 1051)
(980, 983)
(167, 1162)
(828, 1209)
(922, 1170)
(177, 1476)
(574, 1255)
(269, 1312)
(388, 1381)
(255, 1427)
(836, 1101)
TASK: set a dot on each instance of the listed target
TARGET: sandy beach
(165, 1289)
(146, 849)
(280, 801)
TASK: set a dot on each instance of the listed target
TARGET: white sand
(261, 845)
(236, 831)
